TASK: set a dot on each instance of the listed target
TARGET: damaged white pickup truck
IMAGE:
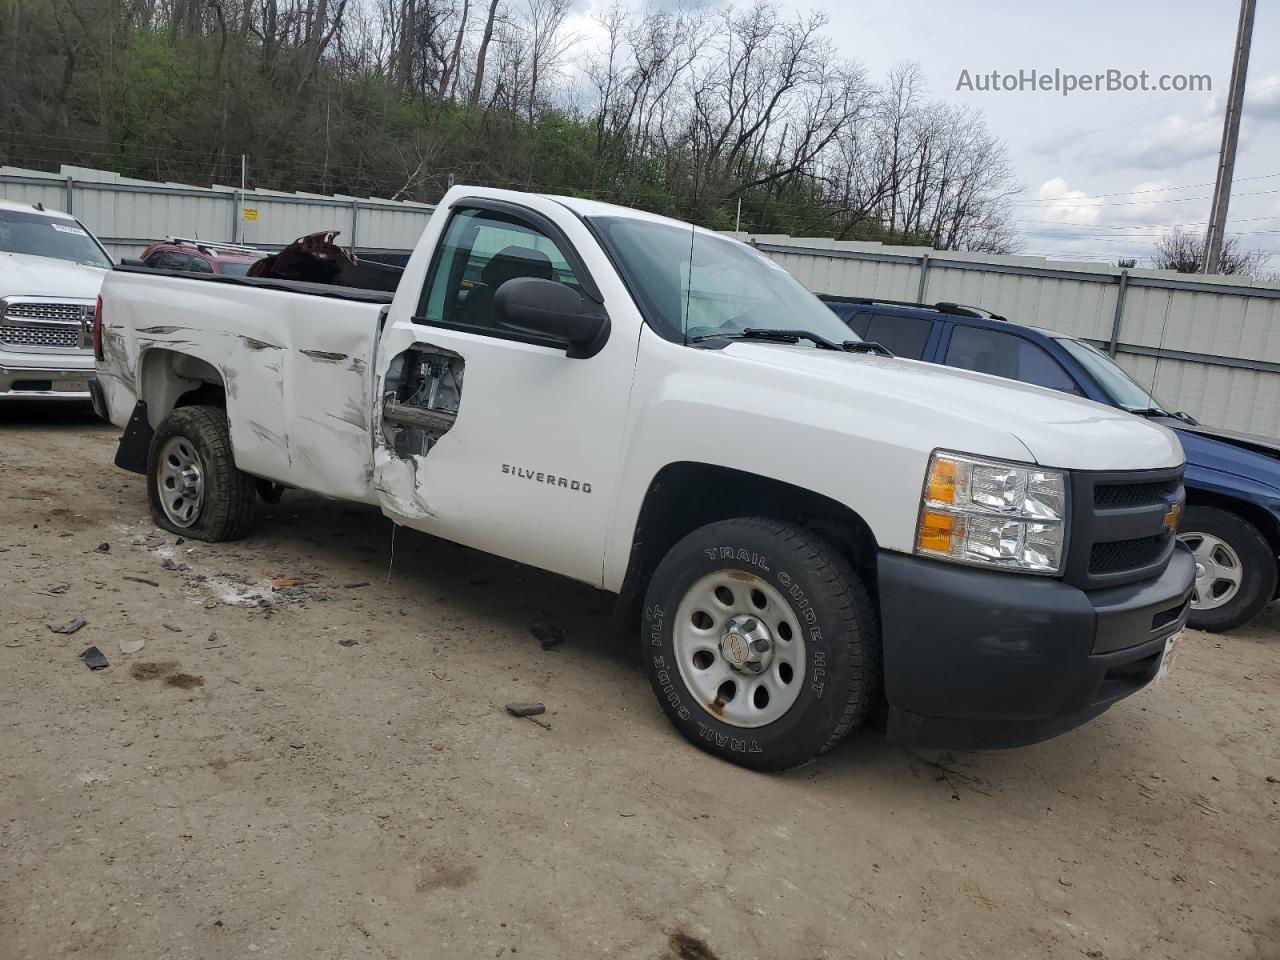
(802, 526)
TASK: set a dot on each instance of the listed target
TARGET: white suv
(51, 268)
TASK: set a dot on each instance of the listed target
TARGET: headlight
(993, 514)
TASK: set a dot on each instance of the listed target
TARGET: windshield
(37, 235)
(724, 288)
(1120, 387)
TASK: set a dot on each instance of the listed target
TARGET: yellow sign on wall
(251, 213)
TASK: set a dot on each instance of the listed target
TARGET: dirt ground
(248, 785)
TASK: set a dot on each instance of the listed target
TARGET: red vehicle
(200, 256)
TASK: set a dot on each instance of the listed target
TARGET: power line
(1131, 193)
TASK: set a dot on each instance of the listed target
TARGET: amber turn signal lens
(935, 532)
(942, 481)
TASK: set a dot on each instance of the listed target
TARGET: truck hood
(1252, 458)
(25, 275)
(1057, 429)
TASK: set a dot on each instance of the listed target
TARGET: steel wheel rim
(180, 481)
(1219, 572)
(723, 678)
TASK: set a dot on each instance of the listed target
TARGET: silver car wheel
(740, 648)
(180, 481)
(1219, 571)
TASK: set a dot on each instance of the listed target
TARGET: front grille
(45, 324)
(48, 311)
(1133, 494)
(40, 336)
(1118, 555)
(1118, 533)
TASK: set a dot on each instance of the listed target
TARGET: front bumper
(975, 659)
(65, 380)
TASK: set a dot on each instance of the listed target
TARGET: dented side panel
(295, 369)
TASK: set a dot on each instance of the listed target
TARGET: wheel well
(1260, 519)
(169, 379)
(685, 496)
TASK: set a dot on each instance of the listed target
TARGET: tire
(818, 625)
(216, 501)
(1227, 547)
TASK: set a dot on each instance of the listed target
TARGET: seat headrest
(516, 261)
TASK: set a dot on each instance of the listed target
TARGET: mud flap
(135, 444)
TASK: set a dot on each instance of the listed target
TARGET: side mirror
(131, 262)
(550, 309)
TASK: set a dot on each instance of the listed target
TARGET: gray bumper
(68, 382)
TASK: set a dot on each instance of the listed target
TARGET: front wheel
(761, 642)
(193, 483)
(1235, 568)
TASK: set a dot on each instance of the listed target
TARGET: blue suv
(1232, 519)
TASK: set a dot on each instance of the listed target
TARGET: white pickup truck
(51, 267)
(801, 526)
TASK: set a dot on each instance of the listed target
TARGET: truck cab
(51, 268)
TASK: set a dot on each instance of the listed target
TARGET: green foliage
(113, 86)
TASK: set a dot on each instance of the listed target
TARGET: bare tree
(1183, 251)
(483, 52)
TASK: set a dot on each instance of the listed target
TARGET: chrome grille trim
(41, 324)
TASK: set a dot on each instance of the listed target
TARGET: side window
(858, 322)
(200, 265)
(1006, 355)
(904, 336)
(172, 260)
(480, 252)
(156, 260)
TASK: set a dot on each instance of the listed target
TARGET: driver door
(491, 437)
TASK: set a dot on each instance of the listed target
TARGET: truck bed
(293, 358)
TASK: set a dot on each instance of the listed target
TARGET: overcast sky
(1103, 172)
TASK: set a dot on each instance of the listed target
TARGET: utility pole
(244, 184)
(1230, 135)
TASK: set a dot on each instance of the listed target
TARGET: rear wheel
(1235, 568)
(761, 642)
(194, 486)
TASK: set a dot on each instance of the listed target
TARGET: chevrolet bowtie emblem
(1171, 518)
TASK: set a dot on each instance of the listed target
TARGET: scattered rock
(103, 548)
(59, 588)
(210, 603)
(525, 709)
(548, 635)
(1065, 882)
(347, 642)
(170, 627)
(130, 647)
(171, 564)
(94, 659)
(1271, 779)
(356, 586)
(70, 627)
(142, 580)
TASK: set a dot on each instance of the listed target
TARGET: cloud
(1125, 221)
(1060, 204)
(1262, 103)
(1176, 140)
